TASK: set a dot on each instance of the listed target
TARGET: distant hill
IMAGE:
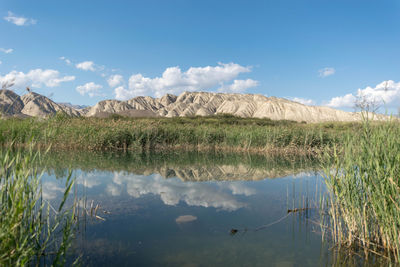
(186, 104)
(31, 104)
(73, 106)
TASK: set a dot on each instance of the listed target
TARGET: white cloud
(238, 86)
(7, 51)
(36, 78)
(115, 80)
(342, 101)
(325, 72)
(122, 93)
(66, 60)
(91, 89)
(387, 92)
(19, 20)
(86, 65)
(303, 101)
(174, 81)
(1, 62)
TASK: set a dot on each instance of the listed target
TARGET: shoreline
(221, 133)
(214, 133)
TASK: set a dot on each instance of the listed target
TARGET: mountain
(207, 104)
(186, 104)
(10, 103)
(72, 105)
(31, 104)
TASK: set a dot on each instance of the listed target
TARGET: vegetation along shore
(361, 160)
(219, 133)
(363, 182)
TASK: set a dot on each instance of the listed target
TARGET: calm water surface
(179, 209)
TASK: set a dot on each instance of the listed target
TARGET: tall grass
(364, 190)
(191, 133)
(32, 232)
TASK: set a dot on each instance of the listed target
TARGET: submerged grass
(364, 191)
(32, 232)
(221, 132)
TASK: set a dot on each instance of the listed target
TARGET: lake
(192, 209)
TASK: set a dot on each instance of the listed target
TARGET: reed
(32, 232)
(224, 133)
(364, 190)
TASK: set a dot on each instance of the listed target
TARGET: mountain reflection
(187, 166)
(202, 180)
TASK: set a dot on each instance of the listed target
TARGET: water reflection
(172, 191)
(179, 210)
(187, 166)
(50, 190)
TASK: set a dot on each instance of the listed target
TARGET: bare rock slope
(31, 104)
(10, 103)
(242, 105)
(186, 104)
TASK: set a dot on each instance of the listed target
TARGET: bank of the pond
(220, 133)
(31, 234)
(363, 180)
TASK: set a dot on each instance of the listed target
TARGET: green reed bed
(31, 231)
(364, 187)
(200, 133)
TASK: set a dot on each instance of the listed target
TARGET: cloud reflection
(50, 190)
(172, 191)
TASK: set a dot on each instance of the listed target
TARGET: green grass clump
(364, 187)
(30, 232)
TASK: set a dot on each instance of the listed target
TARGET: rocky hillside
(186, 104)
(206, 104)
(31, 104)
(10, 103)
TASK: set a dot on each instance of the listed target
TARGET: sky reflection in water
(154, 220)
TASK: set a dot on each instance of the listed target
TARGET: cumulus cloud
(19, 20)
(115, 80)
(86, 65)
(303, 101)
(7, 51)
(66, 60)
(175, 81)
(325, 72)
(36, 78)
(342, 101)
(386, 92)
(91, 89)
(238, 86)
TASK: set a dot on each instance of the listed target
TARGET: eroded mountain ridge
(186, 104)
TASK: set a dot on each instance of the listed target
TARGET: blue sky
(319, 52)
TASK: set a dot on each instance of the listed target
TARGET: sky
(322, 52)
